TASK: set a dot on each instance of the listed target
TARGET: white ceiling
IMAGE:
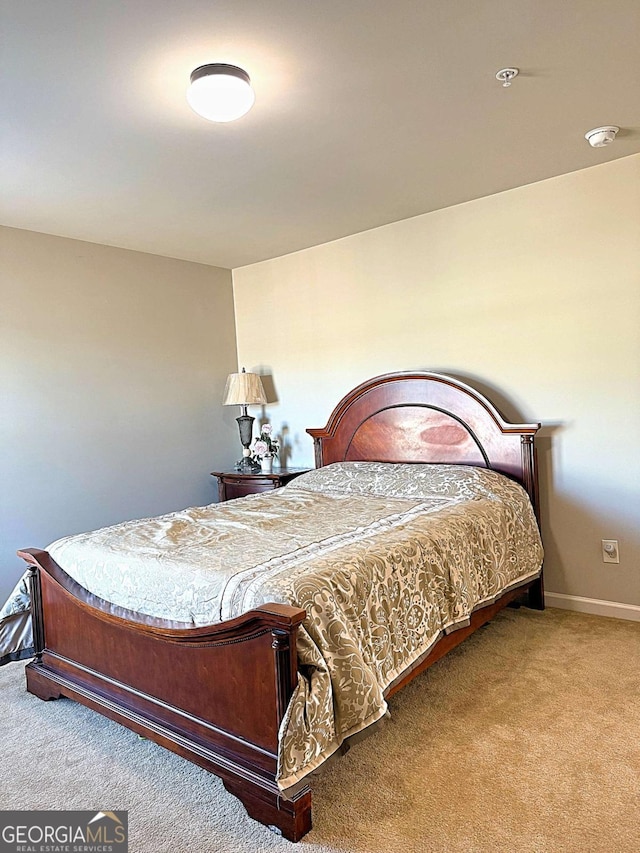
(366, 112)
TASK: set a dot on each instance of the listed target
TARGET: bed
(234, 685)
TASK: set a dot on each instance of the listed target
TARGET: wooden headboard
(416, 416)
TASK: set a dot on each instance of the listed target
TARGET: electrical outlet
(610, 551)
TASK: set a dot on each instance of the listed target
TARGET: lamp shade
(244, 389)
(220, 92)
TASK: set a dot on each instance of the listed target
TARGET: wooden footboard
(215, 695)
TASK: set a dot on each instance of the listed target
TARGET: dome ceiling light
(220, 92)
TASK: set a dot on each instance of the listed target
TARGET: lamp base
(245, 425)
(247, 465)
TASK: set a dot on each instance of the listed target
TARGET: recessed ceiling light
(220, 92)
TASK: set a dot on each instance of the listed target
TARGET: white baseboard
(596, 606)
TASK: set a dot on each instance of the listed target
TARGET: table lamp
(245, 389)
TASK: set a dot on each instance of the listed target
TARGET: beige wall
(113, 365)
(534, 292)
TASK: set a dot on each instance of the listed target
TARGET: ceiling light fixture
(220, 92)
(506, 75)
(601, 136)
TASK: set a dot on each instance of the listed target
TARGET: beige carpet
(525, 738)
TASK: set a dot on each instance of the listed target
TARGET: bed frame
(216, 694)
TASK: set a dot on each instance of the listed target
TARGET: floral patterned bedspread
(384, 558)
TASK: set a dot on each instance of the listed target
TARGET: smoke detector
(601, 136)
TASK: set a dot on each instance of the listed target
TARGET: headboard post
(529, 477)
(317, 451)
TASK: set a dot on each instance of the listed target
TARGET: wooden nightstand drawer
(238, 489)
(233, 484)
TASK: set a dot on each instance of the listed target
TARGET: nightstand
(233, 484)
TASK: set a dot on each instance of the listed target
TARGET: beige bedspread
(384, 558)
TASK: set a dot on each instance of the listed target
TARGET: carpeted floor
(526, 738)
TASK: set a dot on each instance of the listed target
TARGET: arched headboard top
(418, 416)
